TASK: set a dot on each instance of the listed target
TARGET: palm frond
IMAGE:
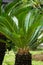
(37, 22)
(11, 5)
(0, 8)
(3, 41)
(28, 18)
(34, 38)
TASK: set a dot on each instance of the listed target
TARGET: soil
(38, 57)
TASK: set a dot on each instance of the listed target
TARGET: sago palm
(19, 24)
(2, 44)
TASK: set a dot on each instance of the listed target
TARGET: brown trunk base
(24, 59)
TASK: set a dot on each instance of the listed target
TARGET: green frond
(11, 5)
(34, 38)
(37, 22)
(0, 9)
(20, 23)
(3, 41)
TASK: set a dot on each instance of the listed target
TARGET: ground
(9, 58)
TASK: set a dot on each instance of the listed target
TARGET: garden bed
(10, 55)
(38, 57)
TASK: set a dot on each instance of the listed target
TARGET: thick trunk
(2, 52)
(23, 59)
(2, 49)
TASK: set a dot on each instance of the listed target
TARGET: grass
(9, 58)
(36, 52)
(37, 63)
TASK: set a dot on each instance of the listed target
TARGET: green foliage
(0, 6)
(34, 43)
(28, 20)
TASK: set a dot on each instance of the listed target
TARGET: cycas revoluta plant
(19, 23)
(2, 43)
(3, 46)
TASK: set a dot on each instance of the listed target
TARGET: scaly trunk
(2, 49)
(23, 57)
(2, 52)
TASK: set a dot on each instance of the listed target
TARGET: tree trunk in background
(23, 59)
(2, 49)
(2, 52)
